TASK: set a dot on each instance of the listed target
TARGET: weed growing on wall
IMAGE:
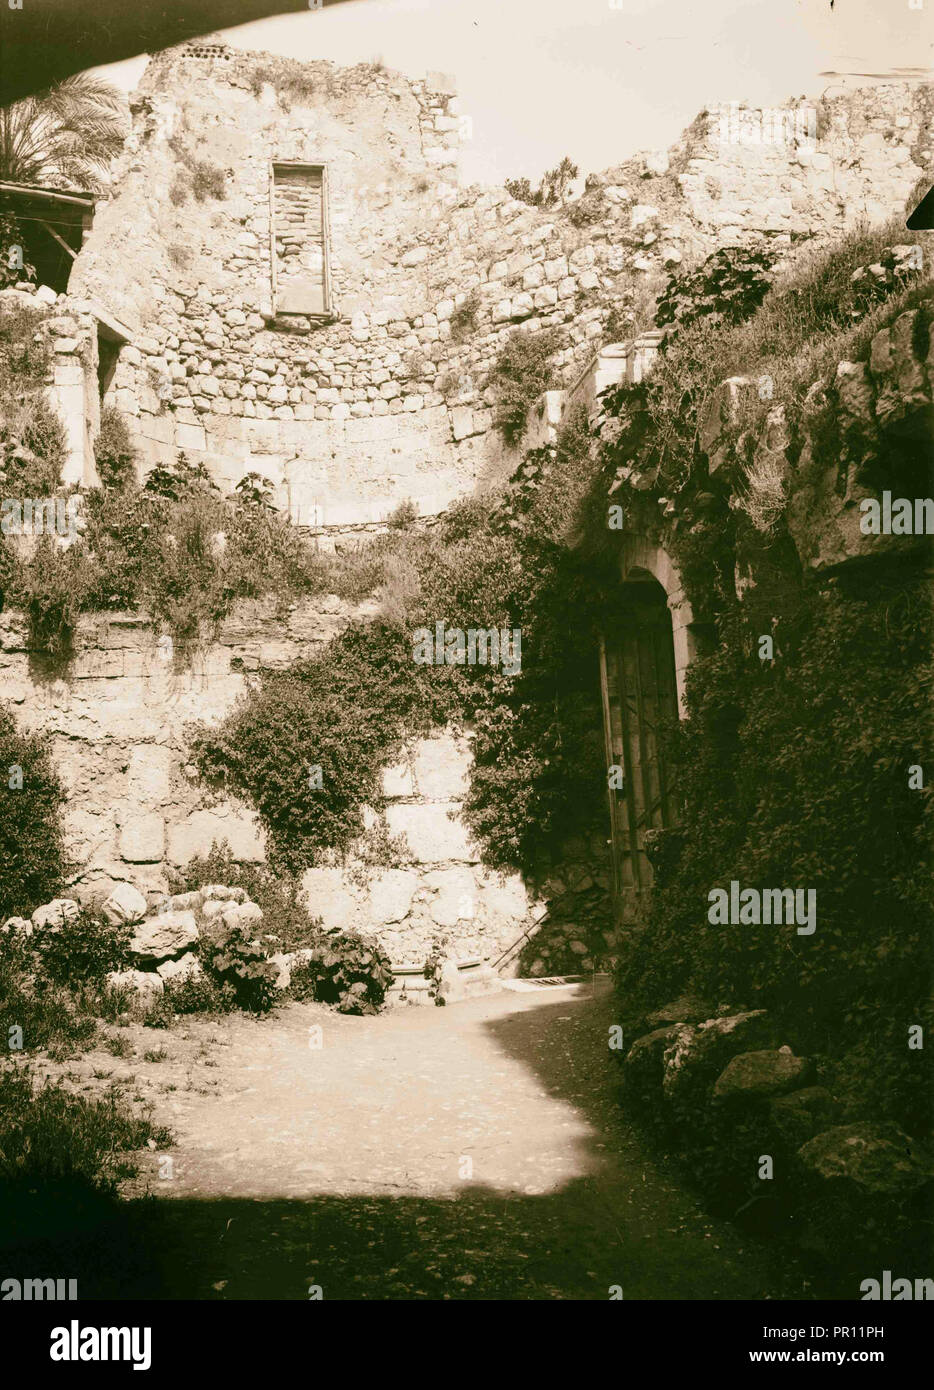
(31, 838)
(520, 374)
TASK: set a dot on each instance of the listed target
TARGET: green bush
(728, 288)
(113, 451)
(551, 191)
(14, 267)
(231, 957)
(345, 969)
(53, 587)
(328, 712)
(522, 372)
(32, 848)
(61, 1155)
(286, 920)
(795, 773)
(83, 949)
(51, 1016)
(193, 994)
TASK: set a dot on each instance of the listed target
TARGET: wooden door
(637, 669)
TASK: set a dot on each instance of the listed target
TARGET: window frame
(305, 166)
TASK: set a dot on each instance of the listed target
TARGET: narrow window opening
(299, 236)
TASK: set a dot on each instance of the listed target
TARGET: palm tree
(65, 137)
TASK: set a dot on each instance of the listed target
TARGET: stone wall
(393, 398)
(119, 717)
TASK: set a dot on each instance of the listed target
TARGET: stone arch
(644, 559)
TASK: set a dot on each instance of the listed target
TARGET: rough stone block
(434, 836)
(125, 904)
(329, 896)
(391, 895)
(142, 839)
(166, 935)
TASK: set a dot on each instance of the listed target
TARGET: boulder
(243, 915)
(125, 905)
(696, 1056)
(181, 902)
(217, 891)
(52, 916)
(797, 1117)
(215, 907)
(20, 926)
(759, 1075)
(166, 935)
(146, 983)
(187, 967)
(644, 1064)
(283, 964)
(870, 1160)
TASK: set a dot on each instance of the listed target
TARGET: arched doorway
(640, 697)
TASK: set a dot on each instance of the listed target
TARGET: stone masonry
(390, 396)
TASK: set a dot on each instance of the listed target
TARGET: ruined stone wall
(394, 399)
(119, 717)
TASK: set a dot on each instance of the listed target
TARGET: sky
(601, 79)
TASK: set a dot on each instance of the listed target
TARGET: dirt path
(477, 1151)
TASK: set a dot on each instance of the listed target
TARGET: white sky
(545, 78)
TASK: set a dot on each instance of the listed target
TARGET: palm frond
(67, 135)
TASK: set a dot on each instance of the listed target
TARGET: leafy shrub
(25, 354)
(345, 969)
(328, 712)
(113, 450)
(14, 267)
(193, 994)
(728, 287)
(31, 839)
(286, 919)
(231, 957)
(551, 191)
(522, 372)
(403, 516)
(463, 319)
(53, 587)
(85, 948)
(51, 1016)
(779, 791)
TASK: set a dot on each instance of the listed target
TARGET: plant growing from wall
(114, 454)
(520, 374)
(728, 287)
(31, 838)
(553, 189)
(463, 318)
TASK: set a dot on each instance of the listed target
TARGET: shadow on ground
(625, 1222)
